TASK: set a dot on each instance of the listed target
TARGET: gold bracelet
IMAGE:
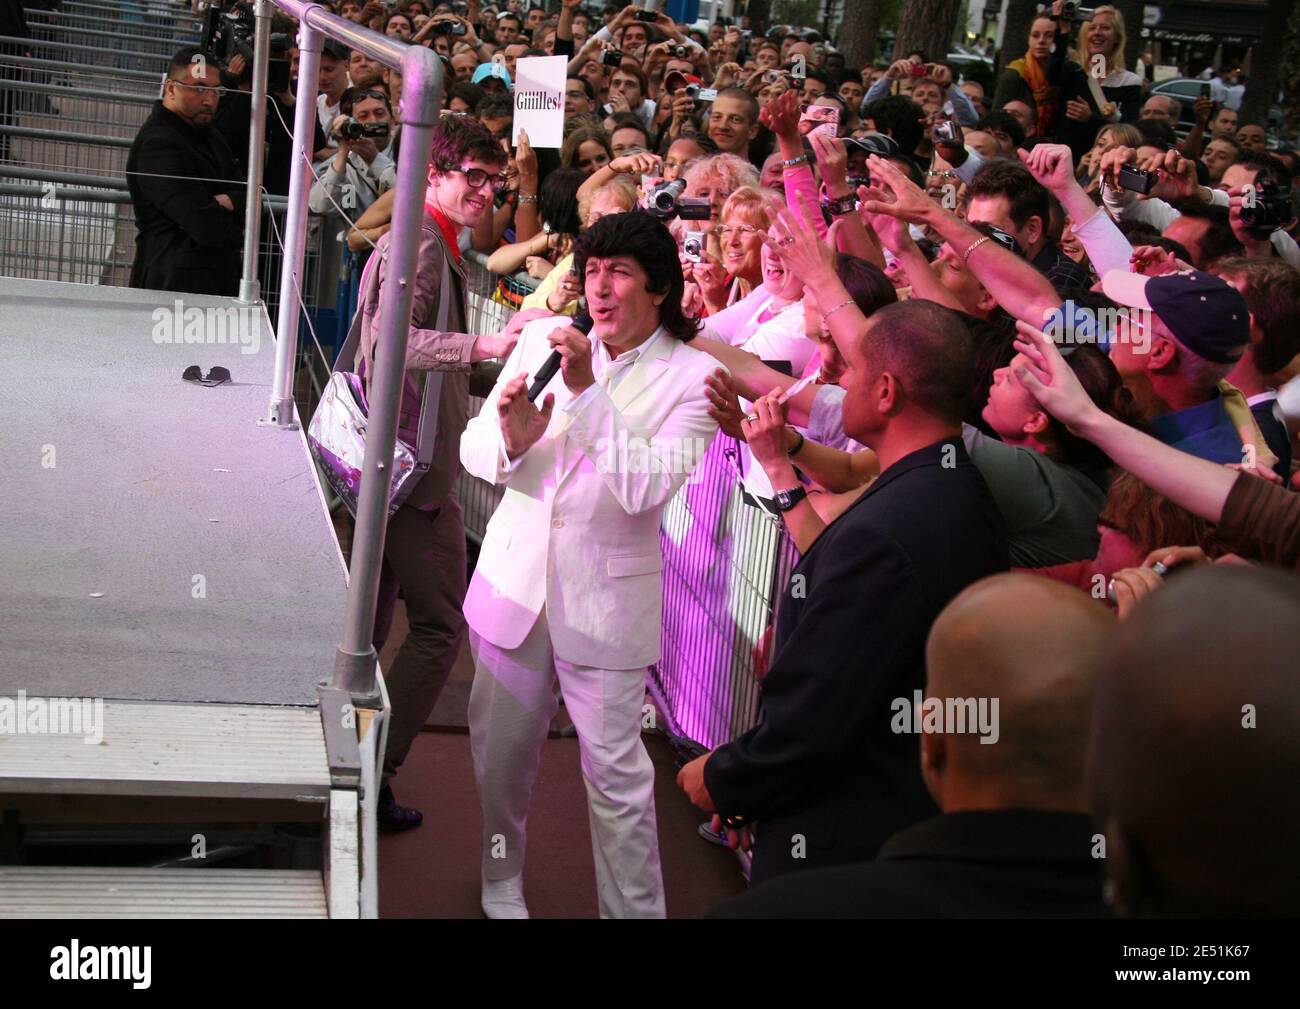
(843, 304)
(971, 248)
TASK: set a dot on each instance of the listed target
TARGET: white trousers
(510, 709)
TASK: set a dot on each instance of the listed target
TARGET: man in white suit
(568, 582)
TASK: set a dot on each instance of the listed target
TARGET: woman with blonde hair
(733, 266)
(1108, 138)
(1100, 52)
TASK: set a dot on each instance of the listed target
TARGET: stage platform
(158, 543)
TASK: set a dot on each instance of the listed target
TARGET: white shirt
(779, 337)
(326, 113)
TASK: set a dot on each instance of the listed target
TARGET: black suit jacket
(823, 772)
(185, 240)
(999, 863)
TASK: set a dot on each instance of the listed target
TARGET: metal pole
(354, 668)
(249, 288)
(295, 227)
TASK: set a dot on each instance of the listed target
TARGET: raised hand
(782, 115)
(1050, 380)
(910, 202)
(522, 424)
(796, 241)
(1051, 164)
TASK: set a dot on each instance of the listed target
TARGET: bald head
(1195, 749)
(1034, 645)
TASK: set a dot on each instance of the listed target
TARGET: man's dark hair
(814, 74)
(510, 16)
(186, 57)
(646, 239)
(354, 94)
(1273, 295)
(461, 138)
(909, 167)
(586, 86)
(1004, 177)
(334, 49)
(629, 121)
(928, 349)
(496, 106)
(1219, 239)
(1003, 122)
(751, 103)
(1157, 133)
(849, 74)
(470, 94)
(897, 117)
(1267, 167)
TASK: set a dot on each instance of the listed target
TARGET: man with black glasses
(186, 187)
(424, 548)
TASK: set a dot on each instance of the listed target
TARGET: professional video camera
(666, 201)
(227, 30)
(1271, 209)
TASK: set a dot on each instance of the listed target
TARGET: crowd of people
(1008, 361)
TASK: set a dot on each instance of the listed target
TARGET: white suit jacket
(578, 528)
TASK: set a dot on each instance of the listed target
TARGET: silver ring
(786, 241)
(752, 418)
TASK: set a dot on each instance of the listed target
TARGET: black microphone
(582, 323)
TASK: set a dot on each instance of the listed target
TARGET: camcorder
(666, 201)
(447, 28)
(1076, 13)
(353, 130)
(1271, 209)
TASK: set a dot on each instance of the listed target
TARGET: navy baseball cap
(1205, 313)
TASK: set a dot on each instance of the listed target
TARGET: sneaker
(504, 898)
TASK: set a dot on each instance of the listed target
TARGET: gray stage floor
(156, 542)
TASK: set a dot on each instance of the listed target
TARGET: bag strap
(346, 357)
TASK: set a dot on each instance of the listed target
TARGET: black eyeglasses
(477, 178)
(215, 376)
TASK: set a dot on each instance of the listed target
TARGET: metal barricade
(79, 110)
(91, 55)
(165, 24)
(51, 230)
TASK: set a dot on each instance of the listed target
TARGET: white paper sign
(539, 100)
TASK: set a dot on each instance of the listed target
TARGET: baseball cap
(675, 79)
(1206, 314)
(874, 143)
(486, 70)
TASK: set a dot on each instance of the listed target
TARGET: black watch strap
(787, 499)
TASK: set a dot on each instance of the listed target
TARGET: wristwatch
(787, 499)
(843, 205)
